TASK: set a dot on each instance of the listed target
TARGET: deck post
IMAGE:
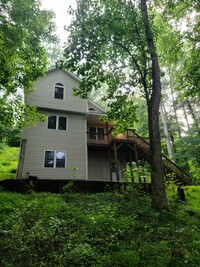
(116, 162)
(107, 132)
(110, 165)
(130, 162)
(136, 155)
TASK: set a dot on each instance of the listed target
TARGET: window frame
(55, 159)
(92, 110)
(96, 133)
(58, 84)
(57, 122)
(92, 134)
(101, 136)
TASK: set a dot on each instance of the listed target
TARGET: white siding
(43, 93)
(98, 165)
(72, 141)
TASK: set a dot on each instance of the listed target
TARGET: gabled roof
(66, 71)
(93, 107)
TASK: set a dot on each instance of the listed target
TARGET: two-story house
(74, 143)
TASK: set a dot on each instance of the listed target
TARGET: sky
(60, 8)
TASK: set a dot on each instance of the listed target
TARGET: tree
(54, 53)
(178, 47)
(112, 42)
(24, 29)
(184, 17)
(158, 190)
(187, 154)
(166, 130)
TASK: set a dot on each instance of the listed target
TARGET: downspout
(86, 149)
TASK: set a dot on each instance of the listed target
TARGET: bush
(118, 229)
(8, 161)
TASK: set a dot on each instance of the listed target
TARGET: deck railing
(173, 168)
(109, 137)
(97, 139)
(142, 144)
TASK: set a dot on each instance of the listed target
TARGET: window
(92, 132)
(49, 159)
(96, 133)
(92, 109)
(54, 159)
(57, 122)
(59, 91)
(100, 133)
(52, 122)
(62, 123)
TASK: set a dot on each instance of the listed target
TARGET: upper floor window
(96, 133)
(54, 159)
(59, 91)
(57, 122)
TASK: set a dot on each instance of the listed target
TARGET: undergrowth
(108, 229)
(8, 161)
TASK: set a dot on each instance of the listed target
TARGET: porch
(128, 148)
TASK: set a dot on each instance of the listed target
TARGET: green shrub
(8, 161)
(192, 194)
(127, 258)
(109, 229)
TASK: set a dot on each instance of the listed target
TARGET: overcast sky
(60, 8)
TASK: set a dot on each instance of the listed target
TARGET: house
(71, 143)
(74, 143)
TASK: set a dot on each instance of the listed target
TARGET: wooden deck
(138, 149)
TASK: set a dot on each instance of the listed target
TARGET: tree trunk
(173, 103)
(166, 132)
(185, 115)
(159, 198)
(193, 115)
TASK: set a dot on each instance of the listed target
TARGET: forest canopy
(24, 30)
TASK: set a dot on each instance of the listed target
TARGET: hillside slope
(107, 229)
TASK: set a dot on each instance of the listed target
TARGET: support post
(110, 165)
(136, 155)
(131, 171)
(116, 161)
(106, 132)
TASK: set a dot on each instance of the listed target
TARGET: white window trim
(54, 163)
(57, 121)
(60, 87)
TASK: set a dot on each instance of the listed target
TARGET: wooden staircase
(170, 168)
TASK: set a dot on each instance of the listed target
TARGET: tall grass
(192, 194)
(8, 161)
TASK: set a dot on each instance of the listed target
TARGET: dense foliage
(8, 161)
(107, 45)
(24, 29)
(112, 43)
(107, 229)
